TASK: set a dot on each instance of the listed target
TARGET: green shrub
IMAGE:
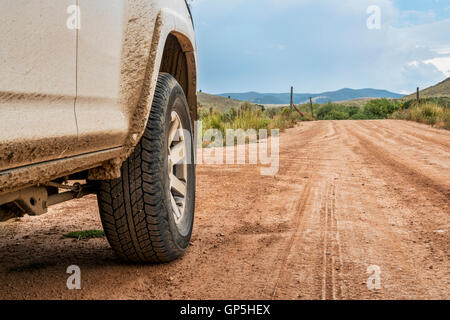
(360, 115)
(337, 115)
(333, 111)
(381, 108)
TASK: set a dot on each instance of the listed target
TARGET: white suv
(99, 96)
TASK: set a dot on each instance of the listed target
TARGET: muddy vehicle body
(100, 97)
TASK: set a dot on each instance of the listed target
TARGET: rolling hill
(442, 89)
(217, 102)
(330, 96)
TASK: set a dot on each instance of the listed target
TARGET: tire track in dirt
(308, 166)
(421, 136)
(326, 281)
(298, 222)
(420, 213)
(289, 167)
(332, 288)
(413, 144)
(425, 129)
(385, 158)
(399, 144)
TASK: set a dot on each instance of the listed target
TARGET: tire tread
(131, 208)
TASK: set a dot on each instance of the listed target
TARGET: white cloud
(420, 74)
(442, 63)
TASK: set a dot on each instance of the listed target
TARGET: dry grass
(218, 103)
(428, 113)
(249, 117)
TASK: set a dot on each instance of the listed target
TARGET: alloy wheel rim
(177, 167)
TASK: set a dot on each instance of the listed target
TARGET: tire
(139, 211)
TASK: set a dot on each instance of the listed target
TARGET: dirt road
(348, 195)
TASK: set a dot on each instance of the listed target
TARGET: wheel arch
(179, 61)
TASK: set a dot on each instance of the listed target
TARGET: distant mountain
(442, 89)
(333, 96)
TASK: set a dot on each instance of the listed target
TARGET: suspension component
(36, 200)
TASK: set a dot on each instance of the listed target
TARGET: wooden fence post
(418, 95)
(311, 105)
(293, 106)
(292, 98)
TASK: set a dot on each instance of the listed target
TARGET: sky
(321, 45)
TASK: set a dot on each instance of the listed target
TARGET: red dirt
(349, 194)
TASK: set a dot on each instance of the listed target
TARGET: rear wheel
(148, 213)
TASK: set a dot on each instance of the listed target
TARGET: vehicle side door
(37, 82)
(102, 120)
